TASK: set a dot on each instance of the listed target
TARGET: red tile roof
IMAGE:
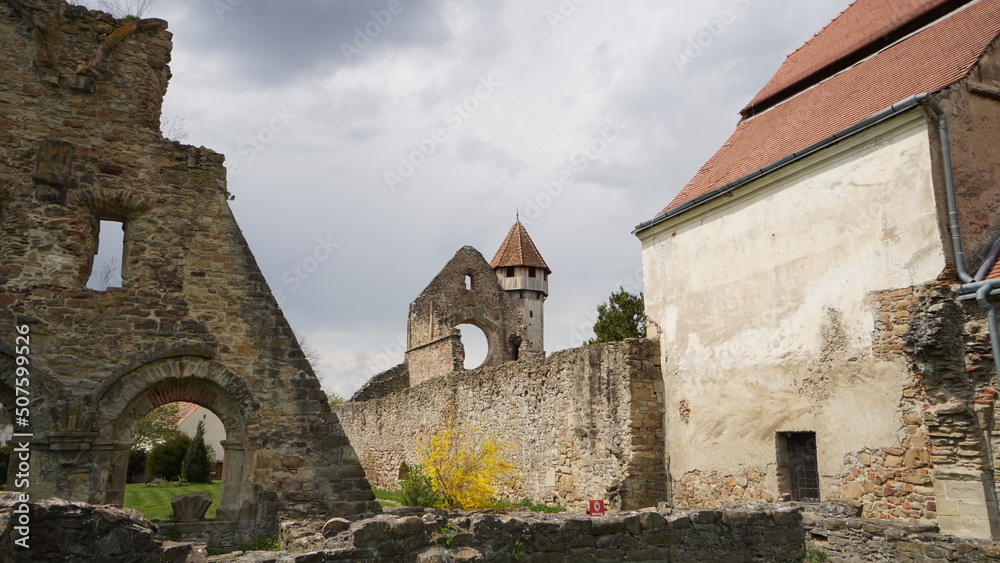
(185, 410)
(518, 250)
(860, 30)
(995, 272)
(928, 61)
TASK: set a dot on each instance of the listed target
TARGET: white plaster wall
(215, 432)
(744, 293)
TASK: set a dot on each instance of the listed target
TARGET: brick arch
(194, 379)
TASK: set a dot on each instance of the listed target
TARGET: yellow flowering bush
(467, 466)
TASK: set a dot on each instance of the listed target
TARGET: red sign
(596, 508)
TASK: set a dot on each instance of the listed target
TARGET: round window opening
(477, 347)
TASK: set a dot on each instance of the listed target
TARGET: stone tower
(524, 275)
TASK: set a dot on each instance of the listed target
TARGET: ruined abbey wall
(194, 321)
(584, 423)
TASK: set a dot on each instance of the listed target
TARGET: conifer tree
(197, 467)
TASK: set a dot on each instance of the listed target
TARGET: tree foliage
(166, 459)
(334, 398)
(466, 466)
(196, 467)
(623, 316)
(158, 426)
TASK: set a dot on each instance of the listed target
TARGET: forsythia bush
(466, 466)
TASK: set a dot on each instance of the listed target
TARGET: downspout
(970, 284)
(949, 186)
(982, 297)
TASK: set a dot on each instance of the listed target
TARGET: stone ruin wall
(585, 423)
(434, 345)
(195, 320)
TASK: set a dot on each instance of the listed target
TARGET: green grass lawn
(154, 500)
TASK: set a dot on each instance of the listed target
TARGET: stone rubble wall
(855, 539)
(771, 536)
(585, 423)
(71, 531)
(382, 384)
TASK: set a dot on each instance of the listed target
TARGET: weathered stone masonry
(195, 320)
(585, 423)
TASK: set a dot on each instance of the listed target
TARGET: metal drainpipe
(949, 186)
(982, 297)
(983, 291)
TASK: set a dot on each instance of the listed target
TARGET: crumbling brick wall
(585, 423)
(195, 320)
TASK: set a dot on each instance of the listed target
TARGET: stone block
(191, 507)
(334, 526)
(369, 533)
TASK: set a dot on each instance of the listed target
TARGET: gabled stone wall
(466, 291)
(195, 320)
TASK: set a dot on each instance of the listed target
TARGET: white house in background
(189, 414)
(809, 285)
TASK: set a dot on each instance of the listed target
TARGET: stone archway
(494, 341)
(191, 379)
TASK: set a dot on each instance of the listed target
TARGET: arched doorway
(190, 379)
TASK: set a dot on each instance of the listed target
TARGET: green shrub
(815, 555)
(262, 544)
(165, 460)
(416, 489)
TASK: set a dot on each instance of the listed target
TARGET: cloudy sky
(367, 141)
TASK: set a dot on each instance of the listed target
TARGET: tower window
(468, 283)
(510, 271)
(109, 252)
(531, 272)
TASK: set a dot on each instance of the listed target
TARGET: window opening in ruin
(798, 469)
(531, 314)
(477, 347)
(468, 283)
(531, 272)
(109, 256)
(510, 271)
